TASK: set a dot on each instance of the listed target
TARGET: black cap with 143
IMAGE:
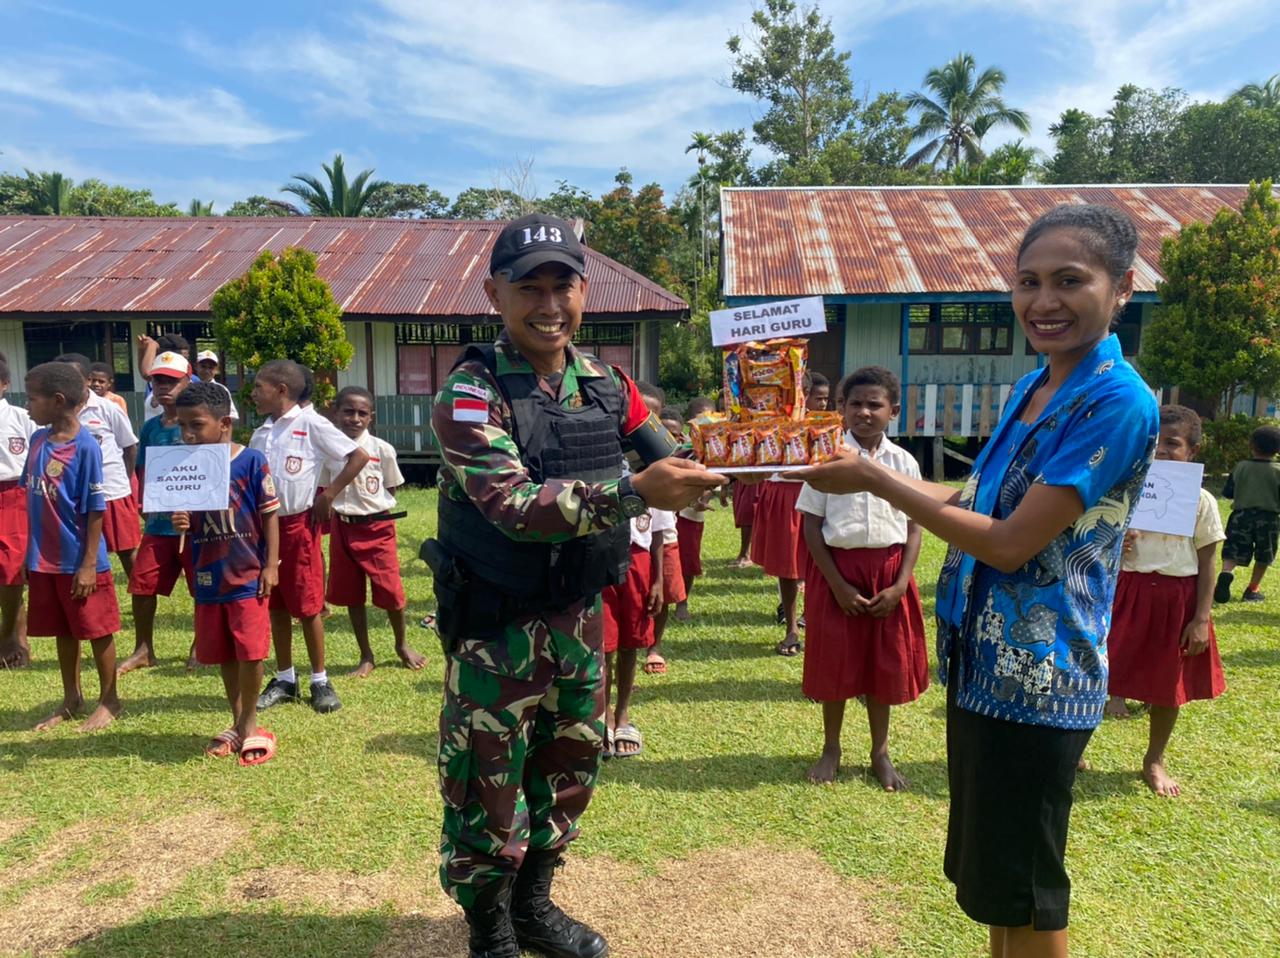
(529, 242)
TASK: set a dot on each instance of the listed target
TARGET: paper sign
(783, 317)
(187, 478)
(1170, 498)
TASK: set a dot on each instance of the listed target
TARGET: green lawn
(129, 842)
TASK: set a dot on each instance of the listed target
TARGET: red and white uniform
(627, 624)
(362, 550)
(121, 523)
(16, 428)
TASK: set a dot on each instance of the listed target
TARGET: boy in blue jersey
(159, 560)
(71, 594)
(236, 555)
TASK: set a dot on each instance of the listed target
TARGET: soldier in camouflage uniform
(522, 724)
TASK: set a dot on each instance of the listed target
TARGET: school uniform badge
(293, 465)
(53, 468)
(17, 445)
(642, 522)
(371, 484)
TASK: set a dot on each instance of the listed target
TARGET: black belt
(365, 520)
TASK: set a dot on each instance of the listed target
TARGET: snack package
(826, 437)
(769, 450)
(695, 432)
(766, 376)
(714, 439)
(794, 437)
(741, 438)
(766, 399)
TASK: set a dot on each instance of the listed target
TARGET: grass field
(130, 842)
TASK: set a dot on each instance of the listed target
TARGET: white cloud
(208, 117)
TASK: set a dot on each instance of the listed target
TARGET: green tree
(567, 201)
(1008, 165)
(1229, 142)
(17, 197)
(1080, 149)
(791, 63)
(1264, 96)
(96, 198)
(1138, 140)
(200, 208)
(635, 228)
(50, 193)
(339, 197)
(479, 203)
(1217, 330)
(280, 309)
(407, 201)
(259, 205)
(964, 107)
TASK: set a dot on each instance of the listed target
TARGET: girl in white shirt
(865, 623)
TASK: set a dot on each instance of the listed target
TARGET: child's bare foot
(825, 769)
(64, 712)
(141, 659)
(411, 657)
(101, 717)
(363, 670)
(742, 562)
(192, 662)
(890, 780)
(15, 657)
(1159, 780)
(1116, 708)
(682, 612)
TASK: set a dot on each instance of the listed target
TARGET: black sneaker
(277, 692)
(1253, 595)
(1222, 591)
(324, 697)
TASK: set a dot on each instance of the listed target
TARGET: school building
(917, 279)
(410, 290)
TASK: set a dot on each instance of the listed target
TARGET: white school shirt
(151, 408)
(859, 520)
(297, 445)
(643, 527)
(111, 428)
(1176, 555)
(16, 428)
(369, 492)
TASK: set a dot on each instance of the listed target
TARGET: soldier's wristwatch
(632, 504)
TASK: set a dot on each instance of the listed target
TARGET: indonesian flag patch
(470, 410)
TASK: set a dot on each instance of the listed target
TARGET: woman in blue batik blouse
(1024, 598)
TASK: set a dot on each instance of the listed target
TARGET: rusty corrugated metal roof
(879, 241)
(376, 268)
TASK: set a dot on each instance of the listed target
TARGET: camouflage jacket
(472, 424)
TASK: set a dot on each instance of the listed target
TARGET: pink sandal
(224, 744)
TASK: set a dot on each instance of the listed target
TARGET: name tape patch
(477, 391)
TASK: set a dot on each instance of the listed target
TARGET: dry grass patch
(337, 892)
(12, 827)
(99, 875)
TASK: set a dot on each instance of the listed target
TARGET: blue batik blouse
(1031, 644)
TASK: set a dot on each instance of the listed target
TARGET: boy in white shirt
(16, 428)
(298, 442)
(362, 539)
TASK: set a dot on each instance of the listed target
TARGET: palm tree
(51, 193)
(964, 107)
(340, 198)
(1262, 97)
(701, 142)
(199, 208)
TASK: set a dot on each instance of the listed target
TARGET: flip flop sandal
(789, 649)
(606, 752)
(628, 733)
(225, 743)
(263, 743)
(428, 621)
(655, 666)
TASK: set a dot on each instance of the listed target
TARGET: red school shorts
(690, 542)
(52, 611)
(13, 533)
(238, 631)
(301, 586)
(672, 574)
(360, 552)
(626, 623)
(121, 525)
(158, 564)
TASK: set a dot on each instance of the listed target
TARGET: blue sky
(222, 100)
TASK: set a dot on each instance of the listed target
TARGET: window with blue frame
(949, 329)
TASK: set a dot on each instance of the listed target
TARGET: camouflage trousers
(521, 733)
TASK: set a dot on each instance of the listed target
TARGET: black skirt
(1007, 829)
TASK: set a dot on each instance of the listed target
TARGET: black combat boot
(539, 924)
(489, 919)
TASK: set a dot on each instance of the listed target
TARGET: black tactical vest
(554, 443)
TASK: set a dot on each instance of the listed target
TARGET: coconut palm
(965, 105)
(339, 198)
(51, 193)
(1264, 96)
(200, 208)
(701, 142)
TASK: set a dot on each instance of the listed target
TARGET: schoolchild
(865, 624)
(101, 379)
(1254, 524)
(71, 594)
(163, 556)
(629, 609)
(236, 556)
(362, 540)
(121, 525)
(777, 544)
(16, 428)
(673, 589)
(691, 522)
(1162, 646)
(297, 442)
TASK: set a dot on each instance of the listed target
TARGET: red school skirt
(850, 655)
(745, 497)
(777, 538)
(13, 533)
(690, 541)
(1147, 619)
